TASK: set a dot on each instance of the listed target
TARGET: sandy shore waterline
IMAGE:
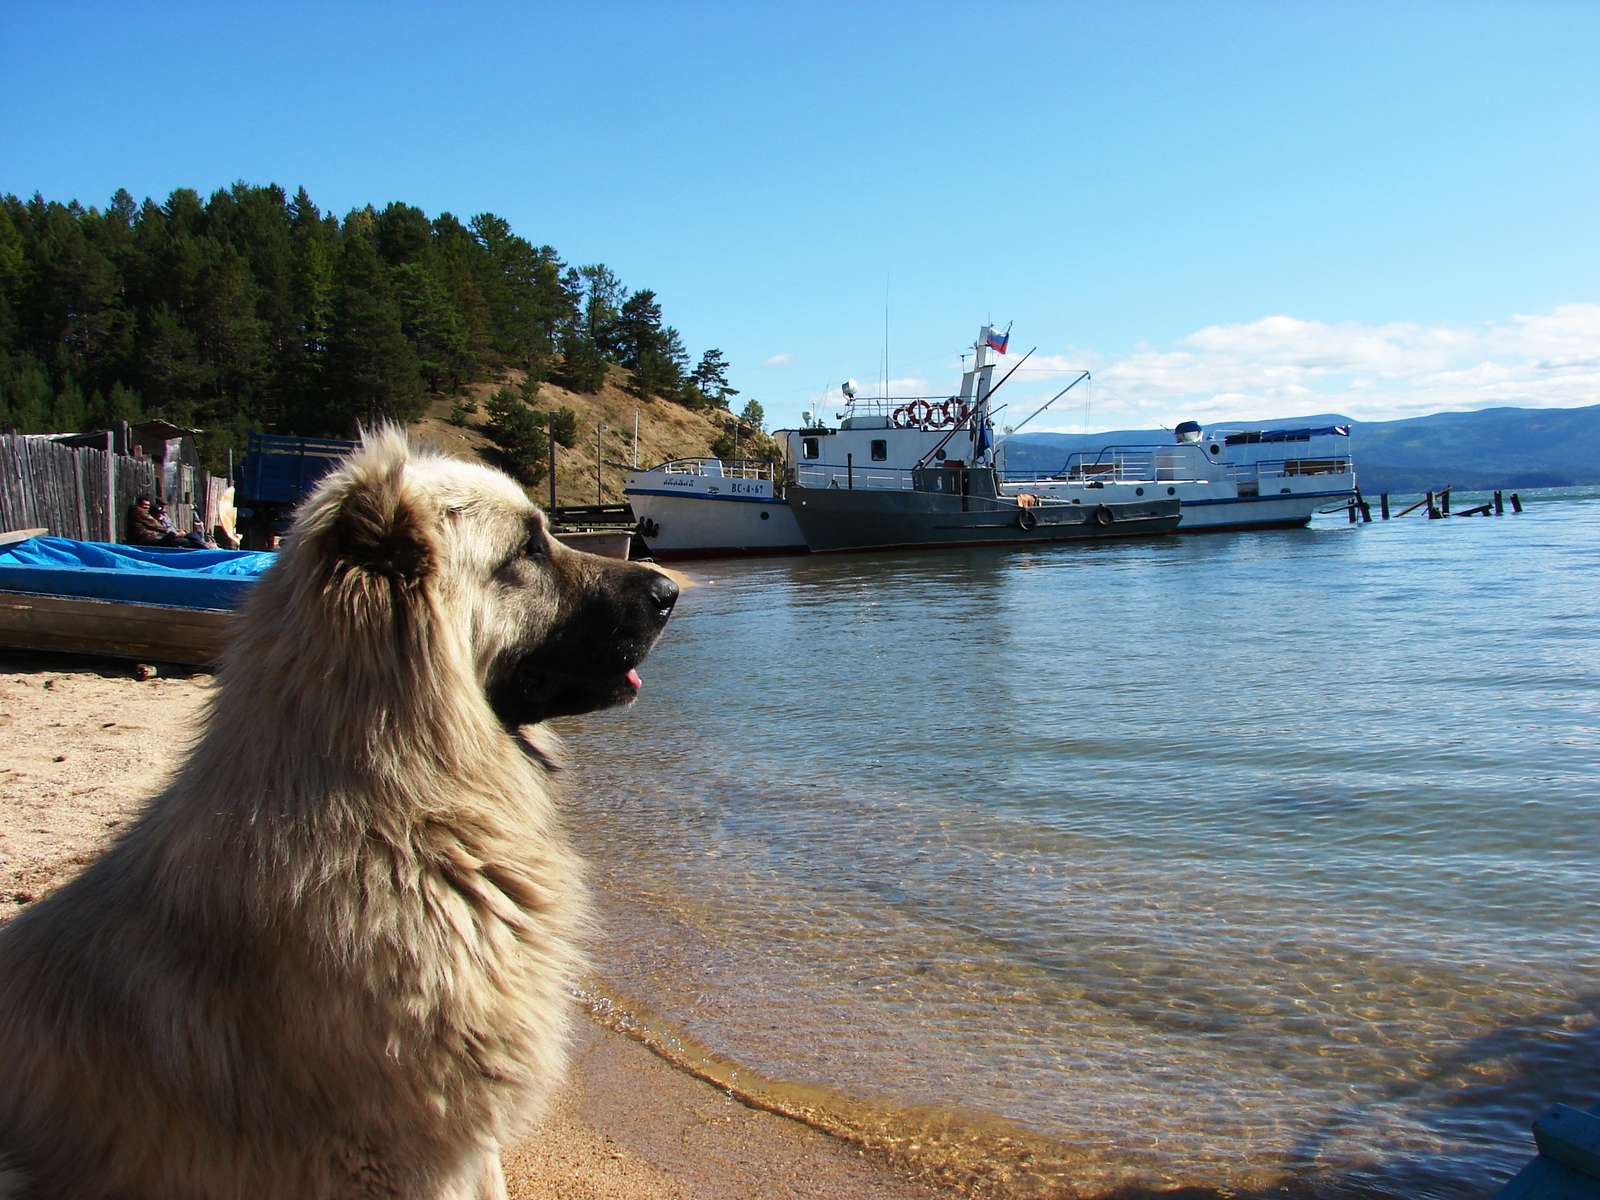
(85, 744)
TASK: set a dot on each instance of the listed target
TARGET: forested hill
(256, 310)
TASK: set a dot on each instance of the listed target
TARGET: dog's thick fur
(332, 959)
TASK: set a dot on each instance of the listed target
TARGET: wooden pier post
(1366, 509)
(1516, 503)
(1444, 502)
(1499, 508)
(1383, 504)
(1433, 510)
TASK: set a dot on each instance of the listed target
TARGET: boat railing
(1275, 468)
(1110, 464)
(1161, 464)
(718, 468)
(825, 475)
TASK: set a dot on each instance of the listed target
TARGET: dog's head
(436, 557)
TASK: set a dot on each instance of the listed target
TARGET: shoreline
(85, 744)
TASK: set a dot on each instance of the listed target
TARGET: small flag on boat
(998, 341)
(982, 440)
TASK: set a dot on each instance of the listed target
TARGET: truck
(278, 472)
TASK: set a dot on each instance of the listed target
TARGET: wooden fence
(74, 493)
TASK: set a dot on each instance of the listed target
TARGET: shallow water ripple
(1229, 859)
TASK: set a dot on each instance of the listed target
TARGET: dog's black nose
(664, 593)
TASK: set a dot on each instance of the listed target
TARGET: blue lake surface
(1261, 860)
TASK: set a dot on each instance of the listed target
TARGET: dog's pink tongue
(633, 678)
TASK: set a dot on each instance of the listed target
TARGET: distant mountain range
(1491, 448)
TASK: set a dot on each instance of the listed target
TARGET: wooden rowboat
(152, 633)
(110, 601)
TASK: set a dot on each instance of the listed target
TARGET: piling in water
(1444, 502)
(1499, 508)
(1433, 509)
(1383, 504)
(1516, 503)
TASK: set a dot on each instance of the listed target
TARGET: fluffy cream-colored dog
(332, 959)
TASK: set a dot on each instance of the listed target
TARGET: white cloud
(1281, 366)
(779, 360)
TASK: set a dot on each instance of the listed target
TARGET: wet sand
(84, 745)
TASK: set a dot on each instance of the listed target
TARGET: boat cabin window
(808, 447)
(880, 450)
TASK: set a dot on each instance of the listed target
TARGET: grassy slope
(666, 430)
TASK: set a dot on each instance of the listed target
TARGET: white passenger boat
(712, 508)
(1225, 478)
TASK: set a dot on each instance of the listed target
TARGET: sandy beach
(85, 744)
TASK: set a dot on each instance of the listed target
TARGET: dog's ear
(379, 530)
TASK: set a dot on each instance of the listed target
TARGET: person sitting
(170, 534)
(196, 536)
(145, 528)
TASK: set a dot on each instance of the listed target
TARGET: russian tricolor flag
(998, 341)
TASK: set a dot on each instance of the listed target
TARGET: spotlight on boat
(1187, 431)
(848, 387)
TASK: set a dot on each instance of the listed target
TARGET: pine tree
(170, 367)
(710, 379)
(25, 393)
(583, 367)
(371, 375)
(67, 410)
(520, 434)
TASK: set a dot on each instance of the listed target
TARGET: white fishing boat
(712, 508)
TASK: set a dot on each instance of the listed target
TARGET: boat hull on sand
(108, 629)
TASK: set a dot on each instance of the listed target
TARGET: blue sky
(1220, 210)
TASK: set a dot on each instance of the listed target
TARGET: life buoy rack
(925, 414)
(1103, 514)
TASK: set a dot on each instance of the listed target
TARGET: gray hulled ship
(920, 473)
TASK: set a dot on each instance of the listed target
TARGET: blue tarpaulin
(52, 566)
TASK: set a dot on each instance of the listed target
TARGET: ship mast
(975, 386)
